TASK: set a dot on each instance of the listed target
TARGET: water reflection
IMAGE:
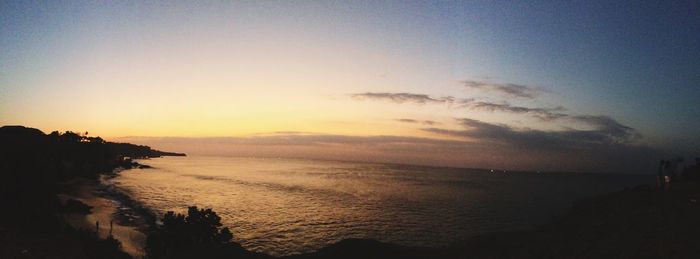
(285, 206)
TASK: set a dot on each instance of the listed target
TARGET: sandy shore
(105, 210)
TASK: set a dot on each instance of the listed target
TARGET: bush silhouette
(34, 168)
(197, 235)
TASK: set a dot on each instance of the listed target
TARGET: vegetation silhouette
(199, 234)
(33, 166)
(196, 235)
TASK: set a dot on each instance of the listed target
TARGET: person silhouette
(667, 172)
(660, 175)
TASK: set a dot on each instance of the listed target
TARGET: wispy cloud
(286, 132)
(546, 114)
(606, 131)
(605, 125)
(404, 97)
(425, 122)
(610, 126)
(482, 145)
(512, 90)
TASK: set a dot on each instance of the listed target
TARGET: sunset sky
(551, 85)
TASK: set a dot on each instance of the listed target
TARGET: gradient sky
(461, 77)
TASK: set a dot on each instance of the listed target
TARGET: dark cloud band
(425, 122)
(606, 131)
(546, 114)
(513, 90)
(403, 97)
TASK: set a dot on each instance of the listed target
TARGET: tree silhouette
(199, 234)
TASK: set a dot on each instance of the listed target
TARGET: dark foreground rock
(75, 206)
(634, 223)
(367, 248)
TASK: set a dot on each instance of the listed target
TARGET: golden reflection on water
(286, 206)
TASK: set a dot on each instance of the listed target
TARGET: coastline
(127, 227)
(131, 212)
(53, 198)
(598, 226)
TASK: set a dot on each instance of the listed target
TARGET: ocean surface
(288, 206)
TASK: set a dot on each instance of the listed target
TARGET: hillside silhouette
(32, 166)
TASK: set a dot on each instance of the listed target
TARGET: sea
(288, 206)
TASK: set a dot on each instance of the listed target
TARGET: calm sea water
(287, 206)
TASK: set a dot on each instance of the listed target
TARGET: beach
(126, 227)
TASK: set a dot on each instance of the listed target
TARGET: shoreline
(596, 218)
(131, 212)
(127, 227)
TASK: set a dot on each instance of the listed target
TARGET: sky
(530, 85)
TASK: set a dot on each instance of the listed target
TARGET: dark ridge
(32, 167)
(368, 248)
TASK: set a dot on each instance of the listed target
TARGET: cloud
(606, 131)
(605, 127)
(478, 145)
(610, 126)
(425, 122)
(287, 132)
(513, 90)
(404, 97)
(608, 146)
(545, 114)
